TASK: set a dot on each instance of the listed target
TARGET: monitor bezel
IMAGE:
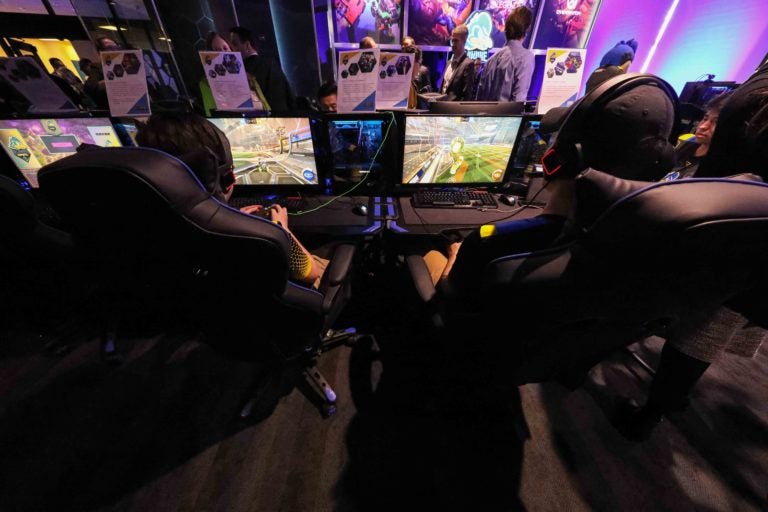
(406, 188)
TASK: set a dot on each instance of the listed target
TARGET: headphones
(565, 158)
(217, 175)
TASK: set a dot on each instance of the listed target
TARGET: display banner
(126, 83)
(228, 81)
(395, 75)
(358, 80)
(563, 71)
(30, 81)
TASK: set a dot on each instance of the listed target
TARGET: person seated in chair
(627, 138)
(737, 146)
(205, 150)
(690, 150)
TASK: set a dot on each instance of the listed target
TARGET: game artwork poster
(565, 23)
(379, 19)
(430, 22)
(498, 10)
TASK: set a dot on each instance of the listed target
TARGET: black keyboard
(292, 204)
(453, 199)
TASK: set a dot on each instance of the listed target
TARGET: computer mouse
(508, 200)
(360, 209)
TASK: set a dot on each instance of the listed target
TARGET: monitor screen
(126, 129)
(354, 143)
(530, 148)
(451, 149)
(34, 143)
(271, 150)
(701, 93)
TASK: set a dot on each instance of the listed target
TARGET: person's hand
(279, 214)
(453, 249)
(253, 209)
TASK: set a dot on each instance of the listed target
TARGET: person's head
(367, 42)
(56, 63)
(216, 43)
(326, 97)
(104, 44)
(417, 60)
(241, 40)
(85, 65)
(407, 41)
(620, 55)
(195, 141)
(459, 39)
(621, 128)
(518, 22)
(740, 143)
(706, 127)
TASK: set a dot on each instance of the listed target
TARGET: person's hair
(407, 41)
(518, 22)
(85, 63)
(716, 103)
(210, 37)
(461, 31)
(416, 51)
(100, 42)
(184, 135)
(367, 42)
(326, 89)
(244, 35)
(54, 61)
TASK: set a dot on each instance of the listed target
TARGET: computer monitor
(271, 151)
(126, 129)
(358, 150)
(477, 108)
(33, 143)
(529, 148)
(468, 150)
(700, 93)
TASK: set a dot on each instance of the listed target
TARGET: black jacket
(272, 81)
(462, 84)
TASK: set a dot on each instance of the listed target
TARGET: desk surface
(333, 215)
(432, 221)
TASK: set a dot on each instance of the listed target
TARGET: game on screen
(271, 151)
(458, 149)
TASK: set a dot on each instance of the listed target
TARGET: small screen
(271, 151)
(354, 143)
(34, 143)
(530, 148)
(450, 149)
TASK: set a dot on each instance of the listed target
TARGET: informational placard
(126, 83)
(228, 81)
(563, 71)
(357, 81)
(33, 83)
(394, 85)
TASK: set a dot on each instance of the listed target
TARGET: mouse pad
(336, 213)
(450, 216)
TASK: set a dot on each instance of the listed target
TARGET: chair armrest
(421, 278)
(338, 267)
(303, 298)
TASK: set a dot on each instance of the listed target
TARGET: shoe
(633, 422)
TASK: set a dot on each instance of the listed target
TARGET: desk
(432, 221)
(336, 218)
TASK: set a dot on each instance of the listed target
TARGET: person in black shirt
(269, 76)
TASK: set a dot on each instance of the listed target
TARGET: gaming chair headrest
(740, 142)
(624, 127)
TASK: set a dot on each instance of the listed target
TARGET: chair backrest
(658, 260)
(141, 215)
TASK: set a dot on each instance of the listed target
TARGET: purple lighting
(660, 35)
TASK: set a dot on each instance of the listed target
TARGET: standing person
(423, 79)
(413, 94)
(459, 78)
(507, 75)
(267, 75)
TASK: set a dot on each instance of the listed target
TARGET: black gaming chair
(643, 261)
(142, 218)
(36, 260)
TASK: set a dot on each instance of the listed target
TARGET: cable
(368, 173)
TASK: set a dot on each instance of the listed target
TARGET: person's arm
(303, 268)
(453, 251)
